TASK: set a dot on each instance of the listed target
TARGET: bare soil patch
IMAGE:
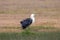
(12, 21)
(13, 11)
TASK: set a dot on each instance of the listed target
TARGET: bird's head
(32, 15)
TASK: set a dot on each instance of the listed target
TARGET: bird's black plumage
(25, 23)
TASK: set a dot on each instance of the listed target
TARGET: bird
(28, 21)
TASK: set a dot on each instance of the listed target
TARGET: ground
(47, 13)
(10, 22)
(47, 19)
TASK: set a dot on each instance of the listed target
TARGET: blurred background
(47, 12)
(47, 19)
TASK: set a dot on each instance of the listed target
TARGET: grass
(29, 34)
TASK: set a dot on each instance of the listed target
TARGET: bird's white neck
(32, 17)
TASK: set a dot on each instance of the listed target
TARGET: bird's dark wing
(25, 23)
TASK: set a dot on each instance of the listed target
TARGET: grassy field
(28, 35)
(32, 34)
(46, 26)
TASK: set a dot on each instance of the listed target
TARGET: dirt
(14, 20)
(11, 22)
(47, 13)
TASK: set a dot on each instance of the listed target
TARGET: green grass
(32, 33)
(28, 35)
